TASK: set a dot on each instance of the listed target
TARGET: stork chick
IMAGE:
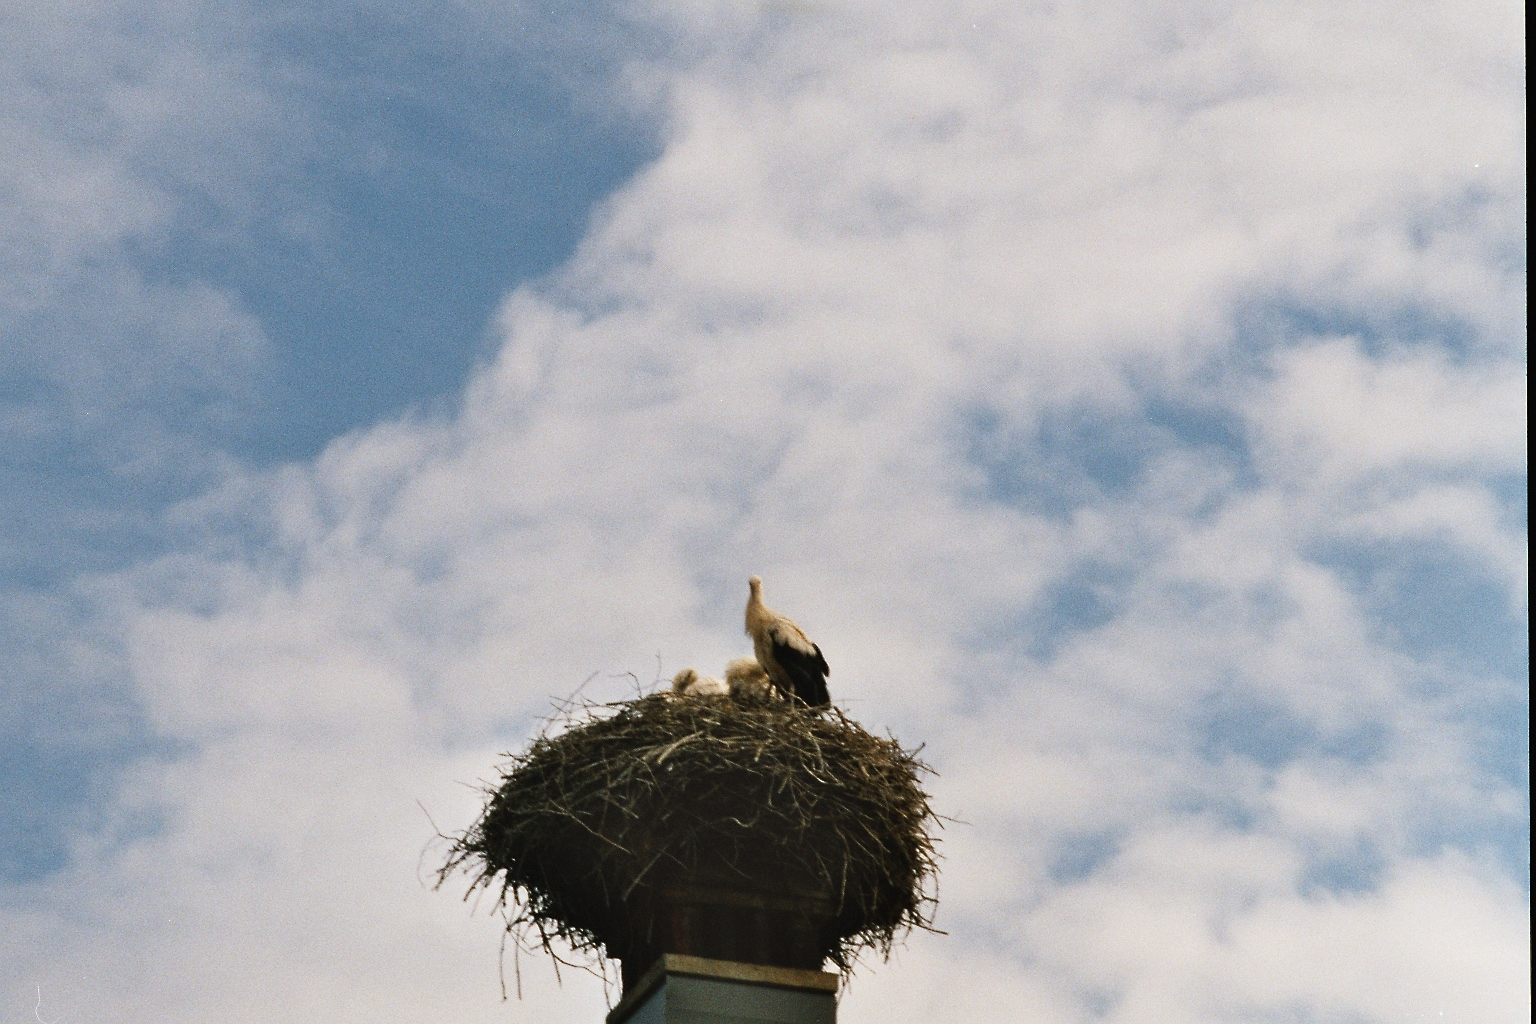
(746, 678)
(689, 683)
(794, 664)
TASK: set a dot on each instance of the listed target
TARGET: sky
(1128, 397)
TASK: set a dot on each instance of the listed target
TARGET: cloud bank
(1129, 400)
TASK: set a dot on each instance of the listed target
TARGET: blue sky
(433, 174)
(1130, 400)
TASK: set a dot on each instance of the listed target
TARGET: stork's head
(756, 585)
(683, 679)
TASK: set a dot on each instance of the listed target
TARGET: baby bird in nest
(689, 683)
(746, 678)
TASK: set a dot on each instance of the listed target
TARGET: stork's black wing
(806, 669)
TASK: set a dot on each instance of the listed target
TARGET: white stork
(794, 664)
(689, 683)
(745, 677)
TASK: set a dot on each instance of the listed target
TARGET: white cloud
(1440, 941)
(1334, 412)
(866, 229)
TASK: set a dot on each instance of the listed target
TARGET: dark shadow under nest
(600, 831)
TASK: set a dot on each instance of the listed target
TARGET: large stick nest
(612, 803)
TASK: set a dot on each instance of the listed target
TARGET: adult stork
(794, 664)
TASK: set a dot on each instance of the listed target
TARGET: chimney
(681, 989)
(716, 950)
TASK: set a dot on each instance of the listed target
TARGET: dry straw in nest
(613, 803)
